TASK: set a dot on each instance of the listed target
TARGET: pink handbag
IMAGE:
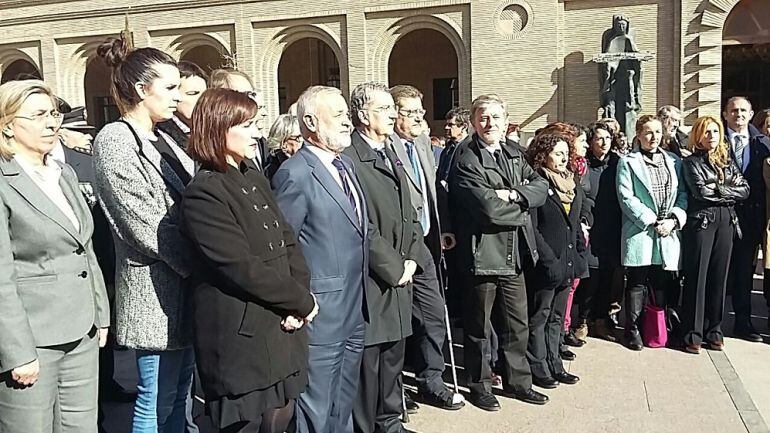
(654, 332)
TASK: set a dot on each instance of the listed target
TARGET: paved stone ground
(655, 390)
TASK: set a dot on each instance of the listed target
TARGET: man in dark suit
(492, 191)
(412, 147)
(394, 251)
(194, 82)
(748, 150)
(318, 193)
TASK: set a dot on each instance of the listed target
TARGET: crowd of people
(292, 270)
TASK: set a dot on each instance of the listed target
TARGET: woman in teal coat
(653, 200)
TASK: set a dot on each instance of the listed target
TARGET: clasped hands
(292, 323)
(664, 227)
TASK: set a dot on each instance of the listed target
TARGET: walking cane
(405, 413)
(448, 325)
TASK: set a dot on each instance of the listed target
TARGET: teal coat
(640, 244)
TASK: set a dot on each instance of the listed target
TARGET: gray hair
(484, 100)
(308, 102)
(282, 129)
(361, 96)
(667, 110)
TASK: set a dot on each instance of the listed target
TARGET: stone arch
(705, 66)
(183, 44)
(12, 55)
(388, 37)
(271, 57)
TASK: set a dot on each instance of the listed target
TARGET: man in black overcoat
(492, 191)
(395, 246)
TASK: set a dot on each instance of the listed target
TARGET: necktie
(503, 164)
(740, 145)
(384, 157)
(337, 162)
(416, 169)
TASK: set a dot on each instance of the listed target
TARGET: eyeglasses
(385, 108)
(412, 113)
(451, 124)
(41, 117)
(295, 138)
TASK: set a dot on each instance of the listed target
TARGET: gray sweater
(139, 193)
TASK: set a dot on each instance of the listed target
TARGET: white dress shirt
(46, 177)
(326, 158)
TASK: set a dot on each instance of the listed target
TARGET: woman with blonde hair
(54, 311)
(714, 185)
(283, 141)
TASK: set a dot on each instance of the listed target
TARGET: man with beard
(319, 194)
(395, 246)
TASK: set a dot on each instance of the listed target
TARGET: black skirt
(228, 410)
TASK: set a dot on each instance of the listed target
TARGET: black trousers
(379, 403)
(639, 279)
(429, 329)
(501, 300)
(706, 255)
(597, 292)
(546, 321)
(741, 277)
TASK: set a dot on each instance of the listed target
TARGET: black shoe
(571, 340)
(444, 399)
(411, 406)
(529, 396)
(747, 333)
(486, 401)
(566, 378)
(545, 382)
(567, 355)
(634, 340)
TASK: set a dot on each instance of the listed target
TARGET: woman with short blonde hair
(53, 303)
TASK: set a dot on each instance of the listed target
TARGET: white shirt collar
(324, 155)
(183, 126)
(50, 171)
(373, 144)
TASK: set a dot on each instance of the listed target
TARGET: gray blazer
(51, 288)
(428, 163)
(139, 193)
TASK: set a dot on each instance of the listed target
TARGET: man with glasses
(412, 147)
(395, 248)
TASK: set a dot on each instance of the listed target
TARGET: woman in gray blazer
(53, 304)
(140, 174)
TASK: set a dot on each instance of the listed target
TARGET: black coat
(489, 230)
(395, 235)
(704, 188)
(752, 213)
(252, 274)
(560, 242)
(174, 131)
(604, 235)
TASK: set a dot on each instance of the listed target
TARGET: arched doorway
(99, 103)
(427, 60)
(20, 70)
(746, 53)
(205, 56)
(304, 63)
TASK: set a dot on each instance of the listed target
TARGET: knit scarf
(563, 183)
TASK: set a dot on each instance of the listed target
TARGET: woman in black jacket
(561, 245)
(251, 291)
(714, 185)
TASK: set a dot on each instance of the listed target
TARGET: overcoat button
(244, 190)
(282, 244)
(270, 246)
(275, 224)
(264, 225)
(256, 208)
(265, 206)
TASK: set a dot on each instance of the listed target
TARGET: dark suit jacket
(332, 238)
(395, 236)
(51, 289)
(751, 212)
(448, 156)
(251, 275)
(174, 131)
(560, 242)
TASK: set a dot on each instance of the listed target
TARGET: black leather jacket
(703, 185)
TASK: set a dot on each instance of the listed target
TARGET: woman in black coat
(714, 186)
(561, 245)
(251, 290)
